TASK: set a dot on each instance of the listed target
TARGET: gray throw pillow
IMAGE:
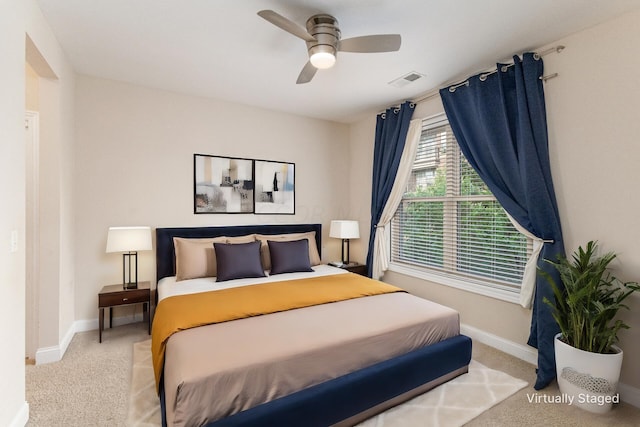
(238, 261)
(289, 257)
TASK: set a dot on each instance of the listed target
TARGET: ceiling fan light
(323, 60)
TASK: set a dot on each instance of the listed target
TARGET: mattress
(217, 370)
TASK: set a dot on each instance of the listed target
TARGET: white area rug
(144, 405)
(451, 404)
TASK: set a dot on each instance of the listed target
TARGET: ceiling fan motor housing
(324, 28)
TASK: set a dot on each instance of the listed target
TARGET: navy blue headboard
(165, 253)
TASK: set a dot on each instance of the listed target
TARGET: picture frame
(222, 185)
(274, 190)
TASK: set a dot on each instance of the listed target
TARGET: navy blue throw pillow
(238, 261)
(289, 257)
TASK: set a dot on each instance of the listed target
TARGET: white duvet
(168, 286)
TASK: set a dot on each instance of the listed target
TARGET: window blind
(449, 223)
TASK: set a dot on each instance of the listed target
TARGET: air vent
(406, 79)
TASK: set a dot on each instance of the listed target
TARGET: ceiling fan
(323, 41)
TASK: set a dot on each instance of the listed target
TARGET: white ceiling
(224, 50)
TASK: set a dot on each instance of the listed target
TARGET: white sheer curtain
(528, 287)
(380, 255)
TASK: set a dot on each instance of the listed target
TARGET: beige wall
(134, 166)
(592, 110)
(31, 92)
(54, 93)
(361, 136)
(17, 19)
(12, 157)
(56, 258)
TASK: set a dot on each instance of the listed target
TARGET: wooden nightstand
(354, 267)
(115, 295)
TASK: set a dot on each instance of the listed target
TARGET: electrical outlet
(14, 241)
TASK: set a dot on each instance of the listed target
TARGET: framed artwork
(222, 184)
(275, 187)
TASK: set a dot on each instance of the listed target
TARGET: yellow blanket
(181, 312)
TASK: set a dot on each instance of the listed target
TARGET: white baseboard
(86, 325)
(523, 352)
(22, 416)
(48, 355)
(55, 353)
(125, 320)
(92, 324)
(628, 394)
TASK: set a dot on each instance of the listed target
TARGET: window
(450, 225)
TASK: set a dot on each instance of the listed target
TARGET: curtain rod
(436, 92)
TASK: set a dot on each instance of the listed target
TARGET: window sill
(487, 290)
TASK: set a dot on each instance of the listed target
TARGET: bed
(335, 362)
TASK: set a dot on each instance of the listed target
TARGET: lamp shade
(128, 239)
(344, 229)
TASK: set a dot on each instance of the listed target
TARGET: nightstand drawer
(124, 297)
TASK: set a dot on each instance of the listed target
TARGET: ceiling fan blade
(374, 43)
(285, 24)
(307, 73)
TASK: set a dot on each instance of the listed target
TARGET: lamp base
(130, 282)
(345, 260)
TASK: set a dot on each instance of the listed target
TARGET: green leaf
(586, 305)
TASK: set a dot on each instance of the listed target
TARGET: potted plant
(588, 361)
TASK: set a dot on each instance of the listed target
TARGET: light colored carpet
(90, 387)
(451, 404)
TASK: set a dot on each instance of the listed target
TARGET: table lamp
(345, 230)
(129, 240)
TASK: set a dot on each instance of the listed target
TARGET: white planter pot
(589, 380)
